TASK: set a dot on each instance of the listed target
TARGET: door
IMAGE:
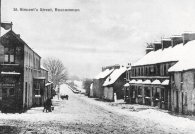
(177, 101)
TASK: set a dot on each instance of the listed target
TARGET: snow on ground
(149, 113)
(88, 115)
(79, 86)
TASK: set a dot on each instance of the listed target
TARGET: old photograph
(97, 67)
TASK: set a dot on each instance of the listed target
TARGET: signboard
(8, 85)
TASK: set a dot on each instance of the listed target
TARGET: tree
(87, 84)
(57, 72)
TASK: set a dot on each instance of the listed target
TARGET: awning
(165, 82)
(47, 84)
(14, 73)
(156, 82)
(147, 82)
(126, 85)
(40, 78)
(139, 82)
(132, 81)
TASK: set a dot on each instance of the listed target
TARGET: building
(114, 83)
(183, 81)
(150, 79)
(19, 70)
(98, 82)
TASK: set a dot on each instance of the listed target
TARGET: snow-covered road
(80, 114)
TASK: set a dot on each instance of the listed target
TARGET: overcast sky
(102, 33)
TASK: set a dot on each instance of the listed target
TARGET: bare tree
(57, 72)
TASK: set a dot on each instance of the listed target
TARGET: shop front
(11, 92)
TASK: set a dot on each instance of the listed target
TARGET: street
(80, 114)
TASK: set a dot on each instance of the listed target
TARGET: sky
(101, 33)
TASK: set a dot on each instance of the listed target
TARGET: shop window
(9, 55)
(162, 94)
(157, 94)
(147, 92)
(134, 92)
(139, 92)
(11, 92)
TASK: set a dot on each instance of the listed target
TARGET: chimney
(188, 36)
(157, 45)
(166, 43)
(149, 49)
(176, 39)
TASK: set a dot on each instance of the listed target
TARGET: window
(147, 92)
(162, 94)
(165, 70)
(9, 55)
(11, 92)
(157, 94)
(186, 99)
(37, 89)
(7, 92)
(139, 91)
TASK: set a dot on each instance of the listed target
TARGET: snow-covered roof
(47, 84)
(3, 31)
(16, 73)
(156, 82)
(104, 74)
(42, 67)
(126, 85)
(147, 82)
(160, 56)
(114, 76)
(165, 82)
(139, 82)
(132, 81)
(129, 68)
(187, 58)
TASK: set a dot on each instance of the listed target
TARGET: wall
(119, 85)
(108, 93)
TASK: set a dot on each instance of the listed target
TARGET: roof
(165, 82)
(139, 82)
(147, 82)
(104, 74)
(5, 32)
(186, 61)
(156, 82)
(126, 85)
(114, 76)
(132, 81)
(42, 67)
(166, 55)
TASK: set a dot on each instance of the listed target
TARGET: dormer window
(9, 55)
